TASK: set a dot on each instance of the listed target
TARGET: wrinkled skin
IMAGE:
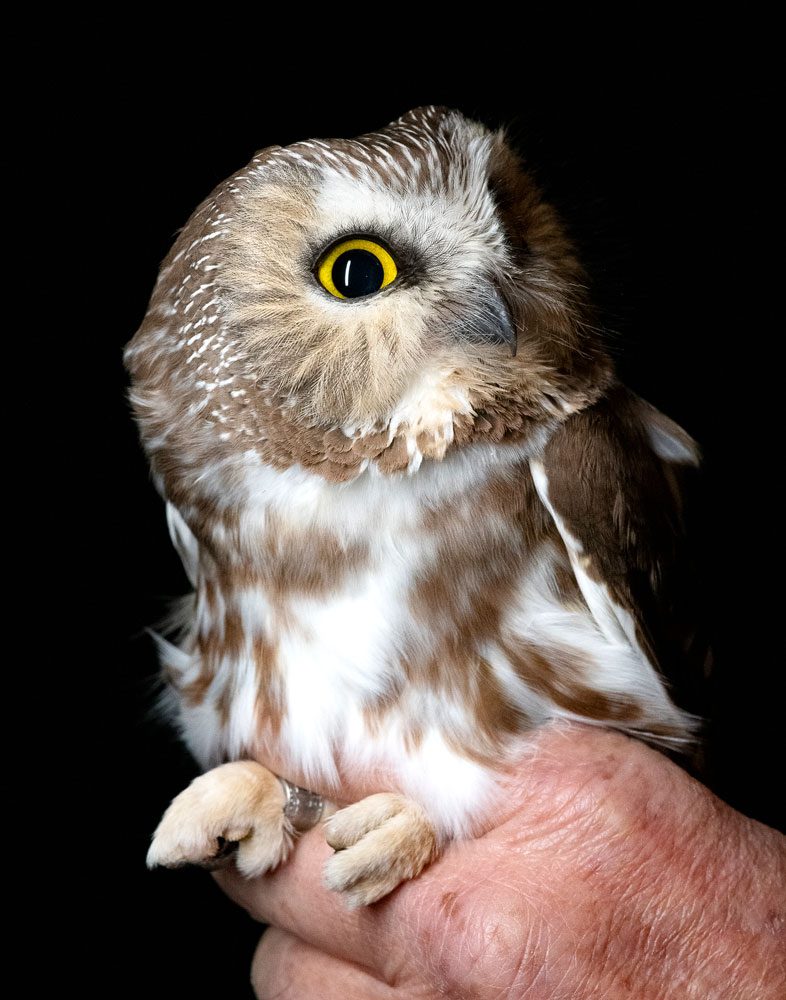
(612, 874)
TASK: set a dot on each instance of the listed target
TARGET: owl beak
(506, 330)
(494, 324)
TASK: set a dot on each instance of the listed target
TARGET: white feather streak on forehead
(419, 138)
(381, 152)
(414, 164)
(362, 151)
(362, 167)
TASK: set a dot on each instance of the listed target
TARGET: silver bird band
(302, 808)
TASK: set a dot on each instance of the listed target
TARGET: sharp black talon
(223, 856)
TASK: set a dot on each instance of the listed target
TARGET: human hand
(610, 874)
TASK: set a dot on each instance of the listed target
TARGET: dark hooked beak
(492, 322)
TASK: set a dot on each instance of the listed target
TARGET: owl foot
(381, 841)
(234, 811)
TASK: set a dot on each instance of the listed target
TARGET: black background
(662, 173)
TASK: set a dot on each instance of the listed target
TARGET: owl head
(364, 303)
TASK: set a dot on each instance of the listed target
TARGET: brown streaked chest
(382, 592)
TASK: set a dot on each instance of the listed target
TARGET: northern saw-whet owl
(420, 514)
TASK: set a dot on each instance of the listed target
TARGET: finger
(294, 898)
(284, 967)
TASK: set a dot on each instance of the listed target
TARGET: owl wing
(613, 478)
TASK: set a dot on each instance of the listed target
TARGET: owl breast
(416, 626)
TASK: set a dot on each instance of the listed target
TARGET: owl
(421, 515)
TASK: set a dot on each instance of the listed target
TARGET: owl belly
(405, 679)
(320, 689)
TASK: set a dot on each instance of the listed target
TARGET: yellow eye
(356, 267)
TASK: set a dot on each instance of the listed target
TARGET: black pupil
(357, 272)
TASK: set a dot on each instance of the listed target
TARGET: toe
(349, 825)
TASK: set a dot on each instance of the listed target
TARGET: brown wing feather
(617, 475)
